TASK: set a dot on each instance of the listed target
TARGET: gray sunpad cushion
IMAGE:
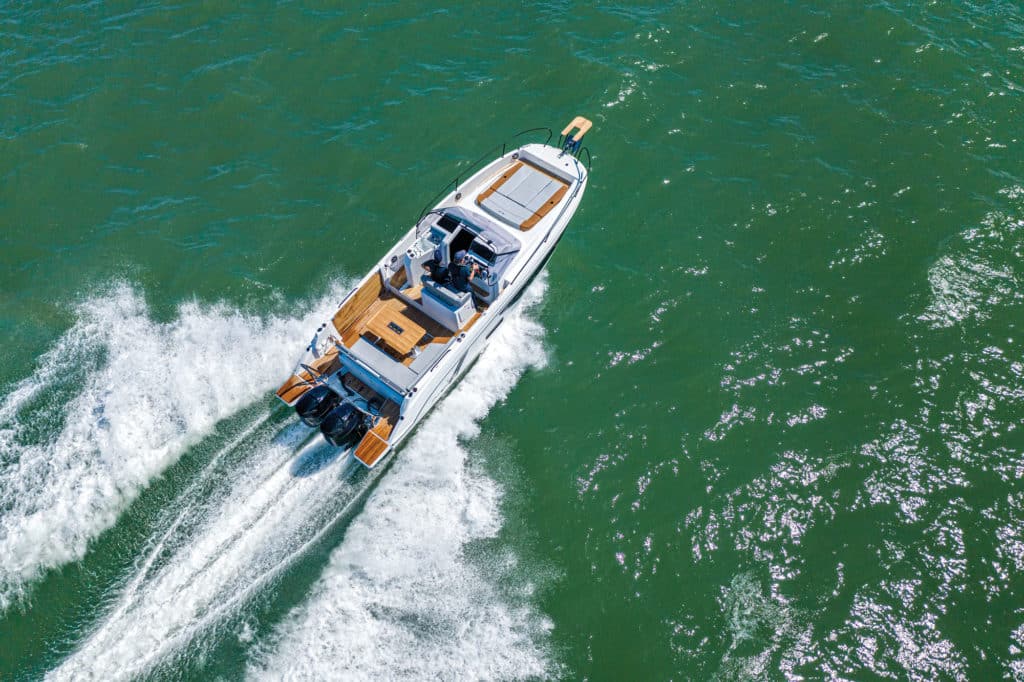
(522, 195)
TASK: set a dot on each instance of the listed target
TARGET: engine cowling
(344, 425)
(315, 404)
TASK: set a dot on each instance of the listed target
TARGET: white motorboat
(414, 324)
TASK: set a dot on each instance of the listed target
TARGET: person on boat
(436, 271)
(458, 273)
(463, 271)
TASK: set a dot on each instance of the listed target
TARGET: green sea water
(761, 418)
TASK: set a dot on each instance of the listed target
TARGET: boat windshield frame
(497, 238)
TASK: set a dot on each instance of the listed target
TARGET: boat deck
(391, 324)
(388, 308)
(384, 320)
(298, 384)
(375, 441)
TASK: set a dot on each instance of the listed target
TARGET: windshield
(477, 248)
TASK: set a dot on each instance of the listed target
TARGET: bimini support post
(572, 140)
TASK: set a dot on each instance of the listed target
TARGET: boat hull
(553, 182)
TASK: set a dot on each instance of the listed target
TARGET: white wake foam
(399, 599)
(190, 581)
(148, 390)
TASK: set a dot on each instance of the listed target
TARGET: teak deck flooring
(438, 333)
(296, 384)
(399, 308)
(375, 441)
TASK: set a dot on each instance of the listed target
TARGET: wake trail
(241, 533)
(399, 599)
(270, 510)
(181, 512)
(115, 402)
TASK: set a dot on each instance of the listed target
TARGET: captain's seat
(451, 308)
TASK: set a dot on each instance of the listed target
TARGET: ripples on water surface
(773, 429)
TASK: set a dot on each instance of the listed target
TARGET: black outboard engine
(344, 425)
(315, 404)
